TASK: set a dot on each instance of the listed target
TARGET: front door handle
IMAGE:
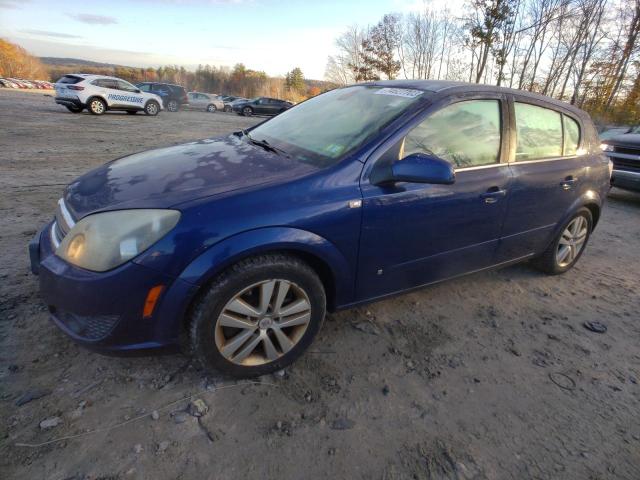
(493, 195)
(568, 182)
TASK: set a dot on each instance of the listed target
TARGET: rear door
(415, 233)
(548, 168)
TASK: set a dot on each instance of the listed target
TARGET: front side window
(466, 134)
(571, 135)
(145, 87)
(539, 132)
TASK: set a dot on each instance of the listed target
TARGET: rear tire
(97, 106)
(74, 109)
(247, 111)
(258, 316)
(568, 246)
(211, 108)
(152, 108)
(228, 109)
(173, 106)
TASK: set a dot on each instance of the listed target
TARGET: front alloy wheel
(258, 316)
(247, 111)
(211, 108)
(263, 322)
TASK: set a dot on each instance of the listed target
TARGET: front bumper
(626, 170)
(103, 311)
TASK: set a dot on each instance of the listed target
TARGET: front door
(548, 171)
(414, 234)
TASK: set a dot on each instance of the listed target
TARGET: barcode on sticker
(399, 92)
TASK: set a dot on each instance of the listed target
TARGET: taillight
(74, 87)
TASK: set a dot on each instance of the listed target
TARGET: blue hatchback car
(234, 248)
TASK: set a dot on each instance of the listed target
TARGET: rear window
(539, 132)
(70, 79)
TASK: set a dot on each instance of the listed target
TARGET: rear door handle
(493, 195)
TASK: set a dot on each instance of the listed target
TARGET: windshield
(324, 129)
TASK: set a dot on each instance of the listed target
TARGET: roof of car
(441, 86)
(91, 75)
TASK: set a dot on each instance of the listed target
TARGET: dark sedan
(624, 152)
(261, 106)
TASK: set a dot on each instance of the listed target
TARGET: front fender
(270, 239)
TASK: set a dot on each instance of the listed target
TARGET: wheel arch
(97, 95)
(319, 253)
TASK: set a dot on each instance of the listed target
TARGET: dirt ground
(492, 376)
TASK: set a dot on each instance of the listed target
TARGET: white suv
(98, 94)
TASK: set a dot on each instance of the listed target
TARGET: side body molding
(270, 239)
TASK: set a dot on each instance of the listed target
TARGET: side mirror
(416, 168)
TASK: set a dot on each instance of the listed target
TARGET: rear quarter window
(571, 135)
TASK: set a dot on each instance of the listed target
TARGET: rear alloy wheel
(258, 317)
(172, 106)
(227, 108)
(568, 246)
(152, 108)
(247, 111)
(97, 106)
(211, 108)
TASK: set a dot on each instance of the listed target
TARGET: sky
(269, 35)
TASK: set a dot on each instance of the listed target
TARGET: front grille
(625, 164)
(627, 150)
(91, 328)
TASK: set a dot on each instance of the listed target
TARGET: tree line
(585, 52)
(239, 80)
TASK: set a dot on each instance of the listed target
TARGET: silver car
(204, 101)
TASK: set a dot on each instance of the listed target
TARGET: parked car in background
(229, 102)
(99, 93)
(204, 101)
(234, 248)
(624, 152)
(261, 106)
(610, 132)
(173, 96)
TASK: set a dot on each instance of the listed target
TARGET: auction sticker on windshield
(399, 92)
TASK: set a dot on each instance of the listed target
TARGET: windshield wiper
(266, 145)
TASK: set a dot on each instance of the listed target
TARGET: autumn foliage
(15, 62)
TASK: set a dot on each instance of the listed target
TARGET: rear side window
(466, 134)
(70, 79)
(571, 135)
(539, 132)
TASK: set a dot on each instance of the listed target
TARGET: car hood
(165, 177)
(625, 140)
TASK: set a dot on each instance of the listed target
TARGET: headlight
(103, 241)
(605, 147)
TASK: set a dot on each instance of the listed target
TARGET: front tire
(567, 248)
(258, 316)
(97, 106)
(228, 109)
(152, 108)
(211, 108)
(247, 111)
